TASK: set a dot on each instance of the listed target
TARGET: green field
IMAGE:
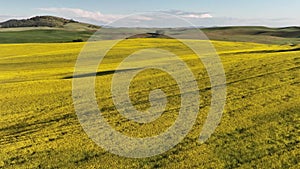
(260, 127)
(43, 36)
(74, 31)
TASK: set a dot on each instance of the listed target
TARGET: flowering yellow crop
(259, 128)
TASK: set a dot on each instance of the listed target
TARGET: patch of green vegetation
(259, 129)
(43, 36)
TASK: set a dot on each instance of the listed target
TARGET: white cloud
(100, 18)
(198, 16)
(184, 14)
(80, 13)
(85, 15)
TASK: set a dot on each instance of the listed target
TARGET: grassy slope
(43, 36)
(68, 33)
(255, 34)
(73, 31)
(260, 127)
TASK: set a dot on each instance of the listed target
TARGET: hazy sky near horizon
(274, 13)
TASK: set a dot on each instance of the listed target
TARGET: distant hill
(43, 29)
(258, 34)
(41, 21)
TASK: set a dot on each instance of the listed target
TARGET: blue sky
(273, 13)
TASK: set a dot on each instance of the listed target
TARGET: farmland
(260, 126)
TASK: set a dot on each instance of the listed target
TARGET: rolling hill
(45, 21)
(285, 35)
(42, 29)
(49, 21)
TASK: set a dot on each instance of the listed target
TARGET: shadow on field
(101, 73)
